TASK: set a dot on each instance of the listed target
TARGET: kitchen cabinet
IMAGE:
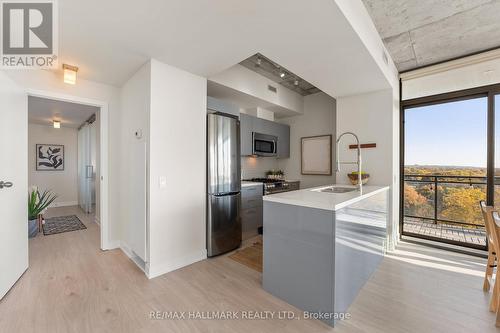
(251, 210)
(264, 126)
(246, 129)
(283, 133)
(250, 124)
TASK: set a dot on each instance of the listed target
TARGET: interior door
(85, 169)
(13, 183)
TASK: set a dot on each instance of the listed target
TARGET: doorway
(99, 203)
(448, 165)
(63, 143)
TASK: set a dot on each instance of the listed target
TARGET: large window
(447, 162)
(497, 151)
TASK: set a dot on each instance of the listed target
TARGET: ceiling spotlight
(56, 123)
(282, 74)
(259, 61)
(296, 82)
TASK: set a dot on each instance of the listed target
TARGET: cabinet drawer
(251, 196)
(251, 220)
(251, 202)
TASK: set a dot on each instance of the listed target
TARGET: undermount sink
(337, 189)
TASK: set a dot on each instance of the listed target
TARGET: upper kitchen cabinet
(246, 129)
(283, 133)
(250, 124)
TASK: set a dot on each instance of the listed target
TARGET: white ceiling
(43, 111)
(109, 40)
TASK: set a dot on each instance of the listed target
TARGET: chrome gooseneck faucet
(358, 162)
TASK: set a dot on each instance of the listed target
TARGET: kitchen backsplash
(256, 167)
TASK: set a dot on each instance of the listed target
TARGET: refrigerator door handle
(226, 194)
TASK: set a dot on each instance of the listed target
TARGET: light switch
(163, 182)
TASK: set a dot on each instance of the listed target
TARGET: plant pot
(353, 177)
(32, 228)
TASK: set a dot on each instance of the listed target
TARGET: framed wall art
(49, 157)
(316, 155)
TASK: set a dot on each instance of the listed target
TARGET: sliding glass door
(87, 167)
(450, 161)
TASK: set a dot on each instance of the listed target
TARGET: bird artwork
(49, 157)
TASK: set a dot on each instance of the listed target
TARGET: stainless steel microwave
(264, 144)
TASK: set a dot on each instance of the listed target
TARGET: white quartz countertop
(314, 198)
(250, 184)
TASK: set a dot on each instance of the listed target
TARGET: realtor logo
(29, 34)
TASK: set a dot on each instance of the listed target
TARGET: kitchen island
(321, 247)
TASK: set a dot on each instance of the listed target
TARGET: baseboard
(115, 244)
(160, 269)
(63, 204)
(132, 256)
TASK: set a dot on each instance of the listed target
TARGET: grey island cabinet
(321, 248)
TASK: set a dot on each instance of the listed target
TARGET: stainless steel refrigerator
(223, 184)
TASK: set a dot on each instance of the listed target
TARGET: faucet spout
(358, 161)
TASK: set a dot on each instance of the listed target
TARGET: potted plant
(270, 174)
(37, 203)
(275, 174)
(353, 177)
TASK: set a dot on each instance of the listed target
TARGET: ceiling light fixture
(56, 123)
(296, 82)
(282, 74)
(70, 74)
(259, 61)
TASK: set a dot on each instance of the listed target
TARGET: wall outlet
(163, 181)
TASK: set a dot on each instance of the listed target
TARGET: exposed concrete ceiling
(273, 71)
(110, 40)
(44, 111)
(424, 32)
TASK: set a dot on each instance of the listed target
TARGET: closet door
(85, 169)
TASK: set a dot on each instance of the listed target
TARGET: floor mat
(250, 256)
(57, 225)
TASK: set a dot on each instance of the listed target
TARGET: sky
(450, 134)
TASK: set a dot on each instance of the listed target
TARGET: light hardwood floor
(72, 286)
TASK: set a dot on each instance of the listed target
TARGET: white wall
(42, 80)
(256, 167)
(374, 117)
(63, 183)
(249, 82)
(361, 22)
(457, 78)
(259, 113)
(135, 99)
(370, 117)
(319, 118)
(177, 222)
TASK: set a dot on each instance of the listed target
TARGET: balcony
(445, 208)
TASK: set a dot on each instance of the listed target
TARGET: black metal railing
(436, 182)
